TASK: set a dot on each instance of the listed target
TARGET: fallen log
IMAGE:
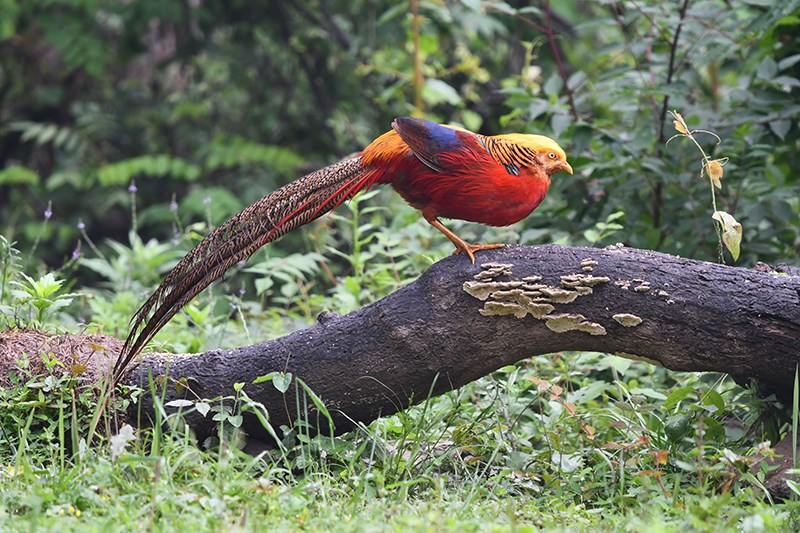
(459, 322)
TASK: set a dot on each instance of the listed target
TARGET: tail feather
(266, 220)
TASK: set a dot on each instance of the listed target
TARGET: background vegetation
(128, 129)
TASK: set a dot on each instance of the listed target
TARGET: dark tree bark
(460, 321)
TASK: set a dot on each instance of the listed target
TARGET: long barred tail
(266, 220)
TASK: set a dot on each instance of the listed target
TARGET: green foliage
(128, 274)
(584, 441)
(137, 265)
(359, 287)
(9, 257)
(37, 299)
(244, 100)
(294, 272)
(124, 172)
(231, 153)
(43, 134)
(603, 230)
(45, 417)
(18, 175)
(636, 63)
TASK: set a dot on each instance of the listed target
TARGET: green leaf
(768, 69)
(676, 426)
(616, 215)
(436, 92)
(649, 392)
(232, 152)
(589, 392)
(788, 62)
(786, 82)
(793, 486)
(560, 122)
(620, 364)
(553, 85)
(780, 127)
(591, 235)
(265, 378)
(472, 120)
(714, 399)
(677, 396)
(18, 175)
(282, 381)
(180, 402)
(202, 408)
(317, 403)
(8, 22)
(731, 232)
(566, 462)
(279, 380)
(760, 3)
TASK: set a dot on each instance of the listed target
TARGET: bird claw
(470, 249)
(460, 244)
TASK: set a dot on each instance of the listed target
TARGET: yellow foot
(470, 249)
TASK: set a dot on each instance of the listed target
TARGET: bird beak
(566, 167)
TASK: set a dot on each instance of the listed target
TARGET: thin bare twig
(551, 39)
(673, 53)
(562, 69)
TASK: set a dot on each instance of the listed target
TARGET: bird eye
(551, 155)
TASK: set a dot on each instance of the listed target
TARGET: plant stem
(718, 226)
(418, 80)
(5, 260)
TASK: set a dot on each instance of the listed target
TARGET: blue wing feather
(442, 137)
(427, 139)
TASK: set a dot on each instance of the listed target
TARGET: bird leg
(460, 244)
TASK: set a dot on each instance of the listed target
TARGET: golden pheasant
(441, 170)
